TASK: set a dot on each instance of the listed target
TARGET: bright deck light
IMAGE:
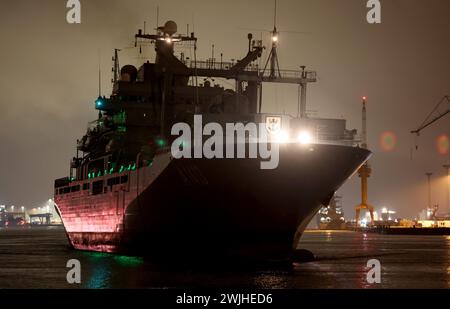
(281, 137)
(304, 138)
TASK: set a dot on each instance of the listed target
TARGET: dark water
(36, 258)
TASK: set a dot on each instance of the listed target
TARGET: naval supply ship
(127, 194)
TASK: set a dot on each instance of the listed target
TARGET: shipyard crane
(440, 111)
(364, 171)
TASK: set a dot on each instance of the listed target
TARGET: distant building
(387, 215)
(434, 223)
(431, 214)
(406, 223)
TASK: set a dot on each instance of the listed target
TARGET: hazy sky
(49, 69)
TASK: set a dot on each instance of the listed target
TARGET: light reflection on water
(38, 258)
(102, 268)
(99, 278)
(271, 280)
(448, 261)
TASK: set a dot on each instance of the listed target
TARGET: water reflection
(448, 261)
(38, 259)
(100, 277)
(406, 261)
(101, 268)
(271, 280)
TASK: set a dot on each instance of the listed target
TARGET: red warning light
(364, 98)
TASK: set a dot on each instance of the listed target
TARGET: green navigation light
(129, 261)
(161, 142)
(121, 129)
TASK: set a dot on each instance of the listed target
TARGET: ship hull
(204, 208)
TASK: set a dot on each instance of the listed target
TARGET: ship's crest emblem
(273, 124)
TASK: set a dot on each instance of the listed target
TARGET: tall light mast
(429, 189)
(364, 124)
(447, 168)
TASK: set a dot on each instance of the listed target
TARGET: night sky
(49, 69)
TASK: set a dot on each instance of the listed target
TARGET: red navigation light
(364, 98)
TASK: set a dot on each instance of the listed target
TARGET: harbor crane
(440, 111)
(364, 172)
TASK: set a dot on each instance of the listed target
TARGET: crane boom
(439, 112)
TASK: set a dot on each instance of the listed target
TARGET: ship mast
(273, 56)
(301, 78)
(116, 66)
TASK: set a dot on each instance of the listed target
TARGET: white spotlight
(304, 138)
